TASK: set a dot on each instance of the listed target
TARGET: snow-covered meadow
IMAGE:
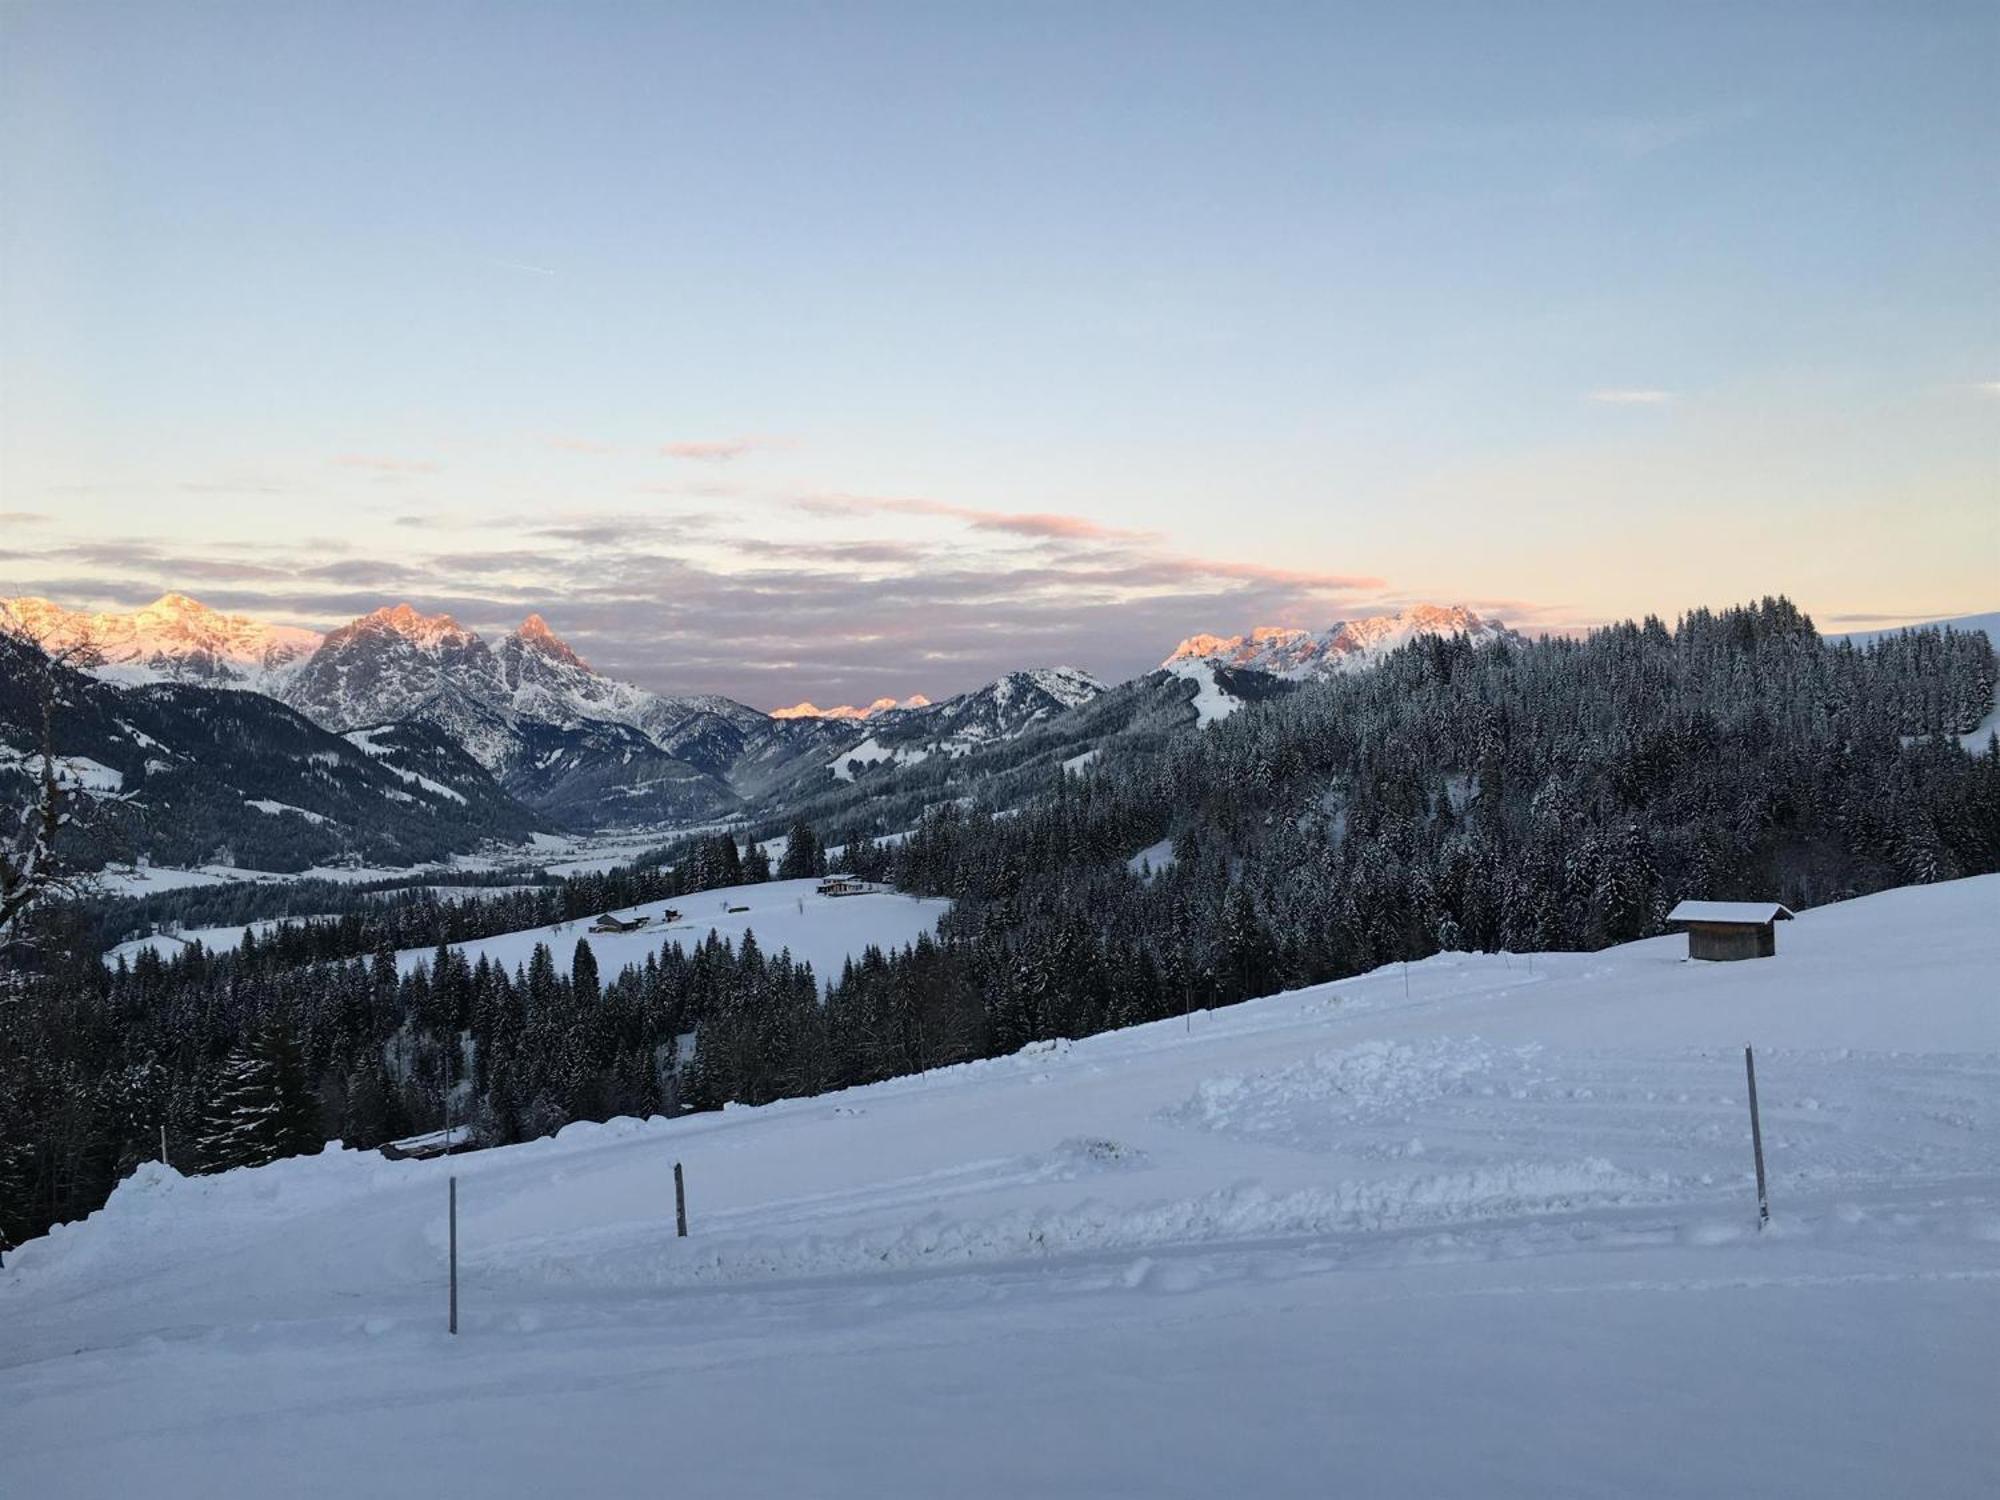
(824, 931)
(542, 854)
(1481, 1227)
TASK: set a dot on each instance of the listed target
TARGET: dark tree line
(1561, 795)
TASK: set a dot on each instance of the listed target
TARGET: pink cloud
(1050, 524)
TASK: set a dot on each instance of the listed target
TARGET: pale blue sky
(1294, 312)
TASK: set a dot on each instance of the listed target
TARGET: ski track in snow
(1484, 1226)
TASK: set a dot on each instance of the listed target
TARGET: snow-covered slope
(399, 664)
(1481, 1227)
(1210, 702)
(1344, 647)
(1987, 624)
(173, 639)
(1002, 710)
(824, 931)
(568, 740)
(236, 778)
(547, 680)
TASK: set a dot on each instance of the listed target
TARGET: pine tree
(583, 974)
(804, 857)
(369, 1115)
(262, 1108)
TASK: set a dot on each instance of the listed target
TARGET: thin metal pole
(163, 1144)
(680, 1201)
(454, 1255)
(1757, 1140)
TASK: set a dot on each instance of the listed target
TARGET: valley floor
(1484, 1227)
(542, 854)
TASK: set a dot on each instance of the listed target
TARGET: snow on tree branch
(31, 865)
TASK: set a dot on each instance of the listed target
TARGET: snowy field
(150, 880)
(557, 854)
(1484, 1227)
(824, 931)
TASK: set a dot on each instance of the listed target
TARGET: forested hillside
(1556, 795)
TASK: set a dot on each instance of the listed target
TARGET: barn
(610, 923)
(448, 1142)
(1723, 930)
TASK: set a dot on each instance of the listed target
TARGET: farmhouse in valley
(1730, 929)
(609, 923)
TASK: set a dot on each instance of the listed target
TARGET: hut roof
(1730, 911)
(431, 1142)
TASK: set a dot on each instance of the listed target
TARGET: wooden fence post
(454, 1256)
(1757, 1140)
(680, 1201)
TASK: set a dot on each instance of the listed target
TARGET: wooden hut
(431, 1143)
(1724, 930)
(609, 923)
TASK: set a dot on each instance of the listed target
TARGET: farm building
(842, 885)
(430, 1144)
(610, 923)
(1723, 930)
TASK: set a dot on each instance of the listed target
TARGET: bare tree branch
(31, 866)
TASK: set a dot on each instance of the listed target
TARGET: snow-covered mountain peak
(1069, 686)
(1418, 619)
(175, 638)
(428, 632)
(809, 710)
(1002, 710)
(1285, 651)
(534, 635)
(1201, 647)
(171, 605)
(1280, 649)
(535, 628)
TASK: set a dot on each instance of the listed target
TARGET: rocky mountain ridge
(1345, 646)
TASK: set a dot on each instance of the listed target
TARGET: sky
(839, 351)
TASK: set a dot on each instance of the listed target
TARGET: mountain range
(533, 725)
(188, 774)
(173, 639)
(577, 747)
(1346, 646)
(808, 710)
